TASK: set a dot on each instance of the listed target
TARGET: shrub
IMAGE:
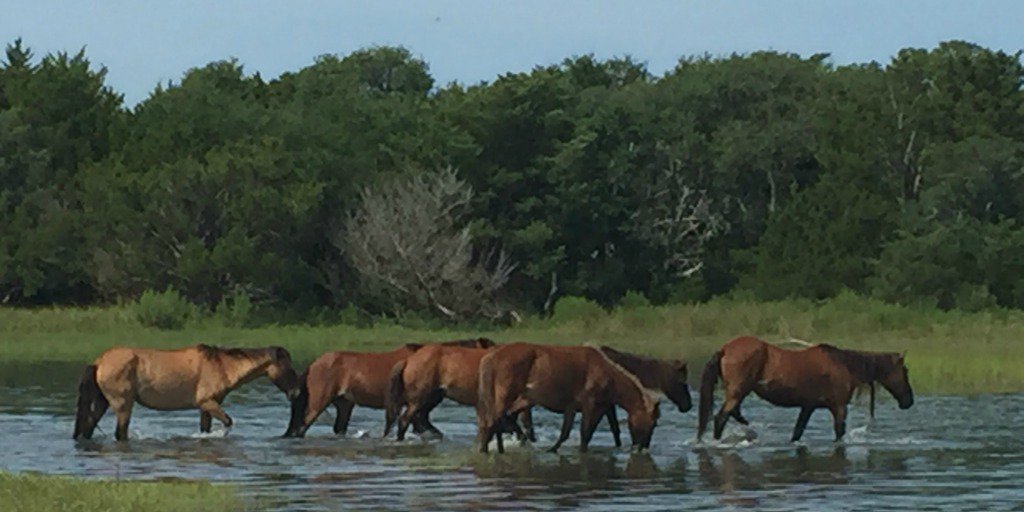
(633, 300)
(577, 309)
(163, 310)
(236, 310)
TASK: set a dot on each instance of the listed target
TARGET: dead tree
(410, 244)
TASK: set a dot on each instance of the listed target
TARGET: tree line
(358, 181)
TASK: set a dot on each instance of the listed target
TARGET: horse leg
(839, 420)
(736, 415)
(213, 409)
(801, 423)
(123, 410)
(343, 412)
(205, 422)
(567, 419)
(526, 420)
(613, 425)
(588, 423)
(732, 401)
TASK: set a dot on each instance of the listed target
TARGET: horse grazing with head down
(821, 376)
(166, 380)
(667, 377)
(347, 379)
(568, 380)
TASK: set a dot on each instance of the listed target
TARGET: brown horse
(347, 379)
(821, 376)
(516, 377)
(419, 383)
(167, 380)
(666, 377)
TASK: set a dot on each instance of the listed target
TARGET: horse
(518, 376)
(666, 377)
(166, 380)
(821, 376)
(347, 379)
(420, 381)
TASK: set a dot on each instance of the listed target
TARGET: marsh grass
(948, 352)
(44, 493)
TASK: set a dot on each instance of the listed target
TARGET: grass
(948, 352)
(43, 493)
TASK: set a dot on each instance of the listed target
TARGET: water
(946, 453)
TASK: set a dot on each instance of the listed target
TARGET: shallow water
(946, 453)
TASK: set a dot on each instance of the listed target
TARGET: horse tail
(296, 427)
(395, 397)
(708, 381)
(91, 404)
(485, 392)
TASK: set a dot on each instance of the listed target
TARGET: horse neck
(627, 392)
(863, 366)
(239, 370)
(646, 371)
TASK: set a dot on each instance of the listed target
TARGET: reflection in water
(950, 453)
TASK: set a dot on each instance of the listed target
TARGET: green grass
(948, 352)
(41, 493)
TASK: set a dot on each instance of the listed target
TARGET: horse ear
(680, 365)
(281, 354)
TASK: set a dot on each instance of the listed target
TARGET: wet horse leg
(123, 409)
(212, 408)
(801, 423)
(567, 419)
(421, 422)
(736, 415)
(732, 402)
(613, 425)
(343, 413)
(526, 420)
(588, 423)
(839, 420)
(205, 422)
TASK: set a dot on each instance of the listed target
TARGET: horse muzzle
(905, 404)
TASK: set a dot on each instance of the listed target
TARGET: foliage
(770, 173)
(163, 310)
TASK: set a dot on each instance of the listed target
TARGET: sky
(145, 43)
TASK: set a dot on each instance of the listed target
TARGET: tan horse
(518, 376)
(434, 372)
(347, 379)
(667, 377)
(821, 376)
(167, 380)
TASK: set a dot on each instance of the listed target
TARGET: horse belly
(781, 396)
(167, 395)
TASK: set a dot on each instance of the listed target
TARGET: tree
(413, 251)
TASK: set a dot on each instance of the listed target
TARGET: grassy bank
(948, 352)
(38, 493)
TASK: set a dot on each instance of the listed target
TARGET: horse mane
(649, 397)
(635, 364)
(213, 351)
(471, 343)
(866, 366)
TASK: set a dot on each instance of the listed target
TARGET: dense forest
(359, 182)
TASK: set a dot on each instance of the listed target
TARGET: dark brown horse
(821, 376)
(347, 379)
(667, 377)
(516, 377)
(166, 380)
(419, 383)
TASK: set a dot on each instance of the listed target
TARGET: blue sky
(143, 43)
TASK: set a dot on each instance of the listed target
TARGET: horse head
(642, 422)
(893, 377)
(675, 387)
(281, 373)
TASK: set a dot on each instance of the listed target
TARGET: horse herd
(503, 382)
